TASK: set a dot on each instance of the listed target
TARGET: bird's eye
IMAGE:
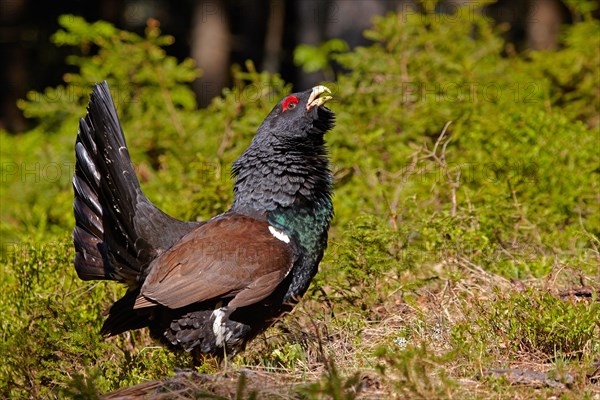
(289, 103)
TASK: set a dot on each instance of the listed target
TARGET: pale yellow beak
(315, 99)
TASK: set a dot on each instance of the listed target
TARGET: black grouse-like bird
(206, 287)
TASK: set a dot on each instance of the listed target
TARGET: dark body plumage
(206, 286)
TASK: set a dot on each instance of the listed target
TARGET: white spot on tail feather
(219, 328)
(279, 234)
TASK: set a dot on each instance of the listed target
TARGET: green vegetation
(466, 236)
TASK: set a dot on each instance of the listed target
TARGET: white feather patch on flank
(279, 234)
(219, 327)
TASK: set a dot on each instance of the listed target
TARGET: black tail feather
(118, 230)
(122, 317)
(89, 258)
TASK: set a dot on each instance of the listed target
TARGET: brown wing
(232, 256)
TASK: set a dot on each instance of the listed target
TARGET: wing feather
(232, 257)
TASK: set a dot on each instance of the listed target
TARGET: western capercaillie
(210, 286)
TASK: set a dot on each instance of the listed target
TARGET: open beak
(317, 98)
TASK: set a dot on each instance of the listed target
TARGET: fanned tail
(118, 231)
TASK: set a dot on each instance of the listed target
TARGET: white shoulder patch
(219, 327)
(279, 234)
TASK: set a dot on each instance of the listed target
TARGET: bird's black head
(298, 119)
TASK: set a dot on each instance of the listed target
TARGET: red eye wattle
(290, 103)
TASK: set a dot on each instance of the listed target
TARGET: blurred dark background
(219, 33)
